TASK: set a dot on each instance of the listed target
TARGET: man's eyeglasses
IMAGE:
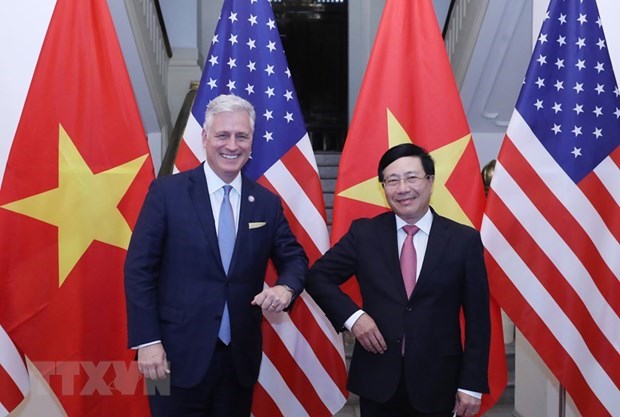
(409, 180)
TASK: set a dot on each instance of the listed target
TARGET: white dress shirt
(216, 194)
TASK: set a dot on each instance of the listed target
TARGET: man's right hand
(367, 333)
(152, 361)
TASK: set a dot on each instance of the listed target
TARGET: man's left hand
(466, 405)
(273, 299)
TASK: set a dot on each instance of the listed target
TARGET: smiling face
(409, 201)
(228, 142)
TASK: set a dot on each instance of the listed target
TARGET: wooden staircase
(327, 163)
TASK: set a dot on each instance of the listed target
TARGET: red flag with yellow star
(409, 95)
(74, 175)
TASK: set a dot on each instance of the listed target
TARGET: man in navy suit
(194, 312)
(409, 358)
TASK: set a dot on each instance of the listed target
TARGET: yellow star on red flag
(446, 159)
(83, 207)
(409, 77)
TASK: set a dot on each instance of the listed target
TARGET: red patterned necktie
(408, 262)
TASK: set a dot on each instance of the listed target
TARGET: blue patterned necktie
(226, 235)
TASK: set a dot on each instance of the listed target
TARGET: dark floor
(500, 410)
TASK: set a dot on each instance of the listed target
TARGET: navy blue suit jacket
(175, 283)
(453, 276)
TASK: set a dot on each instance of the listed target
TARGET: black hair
(406, 149)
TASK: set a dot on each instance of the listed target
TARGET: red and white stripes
(14, 378)
(554, 250)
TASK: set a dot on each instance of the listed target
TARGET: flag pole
(562, 400)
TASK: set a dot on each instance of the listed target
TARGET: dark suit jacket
(175, 283)
(453, 276)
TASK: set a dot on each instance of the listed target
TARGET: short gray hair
(228, 103)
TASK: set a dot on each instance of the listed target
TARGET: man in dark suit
(416, 271)
(194, 274)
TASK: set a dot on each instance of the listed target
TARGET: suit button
(399, 341)
(408, 308)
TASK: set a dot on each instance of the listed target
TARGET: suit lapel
(437, 240)
(245, 212)
(199, 194)
(388, 242)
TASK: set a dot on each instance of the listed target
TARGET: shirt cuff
(146, 344)
(474, 394)
(351, 320)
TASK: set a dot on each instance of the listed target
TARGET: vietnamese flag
(409, 95)
(74, 169)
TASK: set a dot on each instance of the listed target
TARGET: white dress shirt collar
(215, 183)
(424, 224)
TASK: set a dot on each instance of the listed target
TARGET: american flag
(552, 220)
(303, 371)
(14, 378)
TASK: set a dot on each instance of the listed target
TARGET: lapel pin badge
(251, 198)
